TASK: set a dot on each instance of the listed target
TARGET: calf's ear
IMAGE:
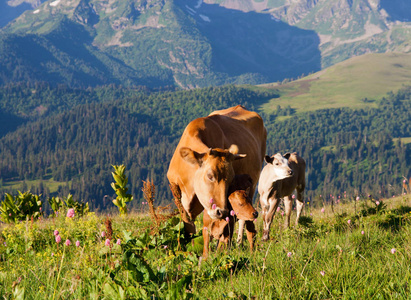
(287, 155)
(268, 159)
(191, 156)
(247, 191)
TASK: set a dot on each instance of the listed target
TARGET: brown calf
(240, 205)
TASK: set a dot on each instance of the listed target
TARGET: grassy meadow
(345, 84)
(349, 250)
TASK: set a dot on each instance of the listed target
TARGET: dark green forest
(75, 135)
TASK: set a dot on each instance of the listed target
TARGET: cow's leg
(268, 214)
(288, 207)
(206, 237)
(251, 233)
(193, 209)
(240, 232)
(300, 201)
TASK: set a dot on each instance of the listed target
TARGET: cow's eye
(210, 176)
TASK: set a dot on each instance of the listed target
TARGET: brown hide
(241, 204)
(206, 159)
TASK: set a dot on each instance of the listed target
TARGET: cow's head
(280, 167)
(212, 177)
(242, 205)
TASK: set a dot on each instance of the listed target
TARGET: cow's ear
(287, 155)
(191, 156)
(247, 191)
(268, 159)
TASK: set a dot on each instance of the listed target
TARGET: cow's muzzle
(221, 213)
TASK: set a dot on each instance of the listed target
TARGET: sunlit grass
(336, 252)
(345, 84)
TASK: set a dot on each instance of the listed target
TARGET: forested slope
(139, 130)
(77, 138)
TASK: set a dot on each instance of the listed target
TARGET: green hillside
(356, 83)
(79, 136)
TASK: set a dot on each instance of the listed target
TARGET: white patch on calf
(281, 168)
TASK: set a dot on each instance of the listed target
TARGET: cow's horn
(233, 149)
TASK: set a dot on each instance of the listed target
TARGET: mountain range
(192, 43)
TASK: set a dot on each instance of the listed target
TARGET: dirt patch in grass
(304, 87)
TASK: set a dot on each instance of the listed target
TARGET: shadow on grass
(396, 219)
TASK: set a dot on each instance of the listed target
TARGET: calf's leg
(251, 233)
(268, 214)
(300, 201)
(240, 232)
(288, 207)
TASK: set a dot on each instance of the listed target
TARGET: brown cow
(206, 160)
(279, 178)
(241, 207)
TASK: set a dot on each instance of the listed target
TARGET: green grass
(326, 257)
(345, 84)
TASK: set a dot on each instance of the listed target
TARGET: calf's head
(279, 165)
(213, 176)
(242, 205)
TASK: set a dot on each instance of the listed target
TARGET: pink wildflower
(322, 273)
(119, 242)
(211, 201)
(323, 210)
(349, 221)
(107, 242)
(377, 202)
(293, 196)
(282, 213)
(362, 232)
(227, 219)
(289, 254)
(56, 232)
(214, 206)
(77, 243)
(103, 234)
(67, 243)
(393, 250)
(70, 213)
(232, 213)
(58, 239)
(278, 209)
(358, 198)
